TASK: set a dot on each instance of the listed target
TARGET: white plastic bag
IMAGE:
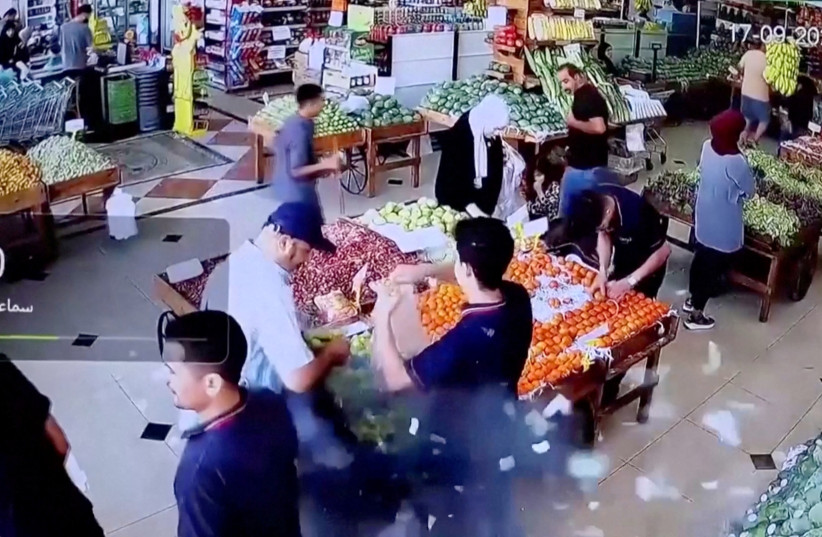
(122, 215)
(510, 197)
(76, 474)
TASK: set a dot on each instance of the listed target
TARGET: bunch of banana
(543, 28)
(571, 4)
(642, 5)
(782, 67)
(476, 8)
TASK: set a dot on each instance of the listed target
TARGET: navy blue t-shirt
(472, 372)
(237, 475)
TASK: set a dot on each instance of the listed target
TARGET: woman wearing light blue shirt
(725, 182)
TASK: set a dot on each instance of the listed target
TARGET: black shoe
(699, 321)
(688, 307)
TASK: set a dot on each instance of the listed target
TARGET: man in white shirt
(254, 287)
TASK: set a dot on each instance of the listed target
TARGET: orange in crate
(440, 309)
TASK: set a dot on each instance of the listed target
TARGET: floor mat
(159, 155)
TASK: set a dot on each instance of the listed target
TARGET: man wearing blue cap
(254, 287)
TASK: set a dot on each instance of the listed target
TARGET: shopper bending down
(725, 182)
(237, 475)
(756, 96)
(626, 228)
(470, 171)
(468, 375)
(587, 138)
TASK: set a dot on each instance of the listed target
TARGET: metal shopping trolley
(30, 111)
(655, 143)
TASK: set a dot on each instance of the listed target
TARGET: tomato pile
(553, 356)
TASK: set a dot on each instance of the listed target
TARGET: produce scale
(579, 340)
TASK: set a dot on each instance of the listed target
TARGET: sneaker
(687, 307)
(699, 321)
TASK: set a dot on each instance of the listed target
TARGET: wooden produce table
(104, 180)
(795, 264)
(411, 132)
(806, 150)
(26, 225)
(345, 141)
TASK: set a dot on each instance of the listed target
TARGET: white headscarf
(490, 115)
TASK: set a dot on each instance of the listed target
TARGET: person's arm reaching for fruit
(385, 350)
(411, 274)
(619, 287)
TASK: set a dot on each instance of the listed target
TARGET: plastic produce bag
(510, 197)
(76, 474)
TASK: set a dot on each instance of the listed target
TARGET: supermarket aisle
(672, 476)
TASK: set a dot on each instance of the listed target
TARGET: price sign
(814, 127)
(360, 18)
(276, 52)
(281, 33)
(336, 19)
(579, 13)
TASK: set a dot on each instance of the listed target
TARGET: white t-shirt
(753, 75)
(257, 293)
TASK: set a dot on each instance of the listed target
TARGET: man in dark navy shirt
(469, 375)
(237, 475)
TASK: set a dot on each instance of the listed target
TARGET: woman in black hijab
(604, 52)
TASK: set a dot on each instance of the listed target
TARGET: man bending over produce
(295, 166)
(253, 286)
(469, 375)
(587, 137)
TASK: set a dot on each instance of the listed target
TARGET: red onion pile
(356, 245)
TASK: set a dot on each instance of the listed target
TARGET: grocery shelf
(284, 8)
(274, 71)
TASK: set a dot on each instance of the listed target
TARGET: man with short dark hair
(237, 475)
(296, 168)
(75, 41)
(470, 374)
(587, 137)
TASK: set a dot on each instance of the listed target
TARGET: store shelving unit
(48, 12)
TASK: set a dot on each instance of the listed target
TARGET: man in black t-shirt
(587, 137)
(37, 497)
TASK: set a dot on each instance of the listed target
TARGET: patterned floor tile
(234, 152)
(235, 126)
(173, 187)
(244, 139)
(215, 173)
(243, 169)
(228, 186)
(218, 124)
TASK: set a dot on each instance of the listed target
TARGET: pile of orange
(636, 312)
(550, 369)
(440, 308)
(525, 271)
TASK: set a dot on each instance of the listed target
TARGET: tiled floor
(680, 474)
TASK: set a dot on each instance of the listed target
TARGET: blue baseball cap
(301, 221)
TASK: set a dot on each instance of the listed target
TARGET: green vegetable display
(385, 111)
(792, 504)
(62, 158)
(697, 65)
(780, 183)
(546, 63)
(530, 113)
(763, 218)
(332, 120)
(417, 215)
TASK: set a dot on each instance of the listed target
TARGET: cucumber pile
(385, 111)
(546, 63)
(530, 113)
(332, 119)
(764, 218)
(698, 65)
(780, 183)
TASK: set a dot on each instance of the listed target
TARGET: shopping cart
(30, 111)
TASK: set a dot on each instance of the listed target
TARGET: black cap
(302, 221)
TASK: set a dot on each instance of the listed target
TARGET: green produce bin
(119, 99)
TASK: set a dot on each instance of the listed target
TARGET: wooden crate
(337, 142)
(398, 132)
(31, 198)
(432, 116)
(84, 184)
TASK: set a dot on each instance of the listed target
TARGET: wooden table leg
(371, 165)
(765, 308)
(415, 170)
(650, 382)
(259, 159)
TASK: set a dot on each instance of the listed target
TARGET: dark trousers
(709, 270)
